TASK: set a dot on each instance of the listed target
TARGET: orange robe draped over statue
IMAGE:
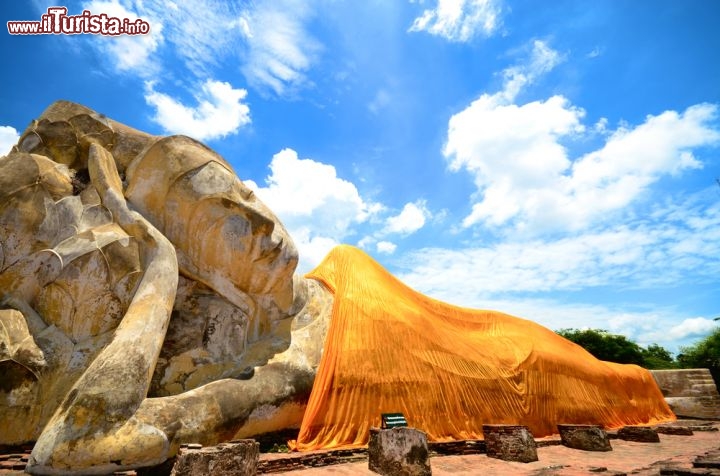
(450, 370)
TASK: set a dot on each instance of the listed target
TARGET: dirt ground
(626, 458)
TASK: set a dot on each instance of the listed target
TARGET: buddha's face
(225, 236)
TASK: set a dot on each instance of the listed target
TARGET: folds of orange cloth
(450, 370)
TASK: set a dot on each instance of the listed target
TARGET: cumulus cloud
(312, 247)
(460, 20)
(510, 149)
(128, 53)
(220, 111)
(280, 49)
(409, 220)
(386, 247)
(524, 175)
(318, 208)
(8, 138)
(691, 327)
(526, 178)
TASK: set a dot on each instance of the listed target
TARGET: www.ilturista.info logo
(57, 22)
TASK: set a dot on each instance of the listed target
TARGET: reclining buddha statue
(148, 298)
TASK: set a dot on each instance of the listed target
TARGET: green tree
(703, 354)
(657, 357)
(618, 348)
(606, 346)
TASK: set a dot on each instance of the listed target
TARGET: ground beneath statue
(627, 457)
(674, 455)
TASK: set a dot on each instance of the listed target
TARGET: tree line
(704, 353)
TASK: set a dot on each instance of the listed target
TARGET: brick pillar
(399, 451)
(237, 458)
(510, 443)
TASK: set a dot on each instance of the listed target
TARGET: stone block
(675, 430)
(640, 434)
(237, 458)
(399, 451)
(584, 437)
(510, 443)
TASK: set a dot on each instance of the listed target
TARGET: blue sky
(553, 160)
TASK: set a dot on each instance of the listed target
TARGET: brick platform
(627, 457)
(676, 451)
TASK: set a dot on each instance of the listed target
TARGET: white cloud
(379, 102)
(409, 220)
(386, 247)
(460, 20)
(8, 138)
(526, 178)
(280, 49)
(601, 126)
(311, 246)
(219, 112)
(128, 53)
(318, 208)
(268, 38)
(640, 325)
(680, 244)
(524, 175)
(691, 327)
(597, 51)
(201, 33)
(542, 60)
(510, 149)
(675, 245)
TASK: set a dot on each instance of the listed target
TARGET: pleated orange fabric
(450, 370)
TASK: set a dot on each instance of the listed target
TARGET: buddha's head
(224, 235)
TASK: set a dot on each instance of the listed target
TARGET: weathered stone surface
(710, 459)
(691, 393)
(641, 434)
(510, 443)
(398, 451)
(466, 447)
(237, 458)
(276, 463)
(674, 430)
(584, 437)
(20, 362)
(134, 266)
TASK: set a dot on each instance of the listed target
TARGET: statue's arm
(94, 429)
